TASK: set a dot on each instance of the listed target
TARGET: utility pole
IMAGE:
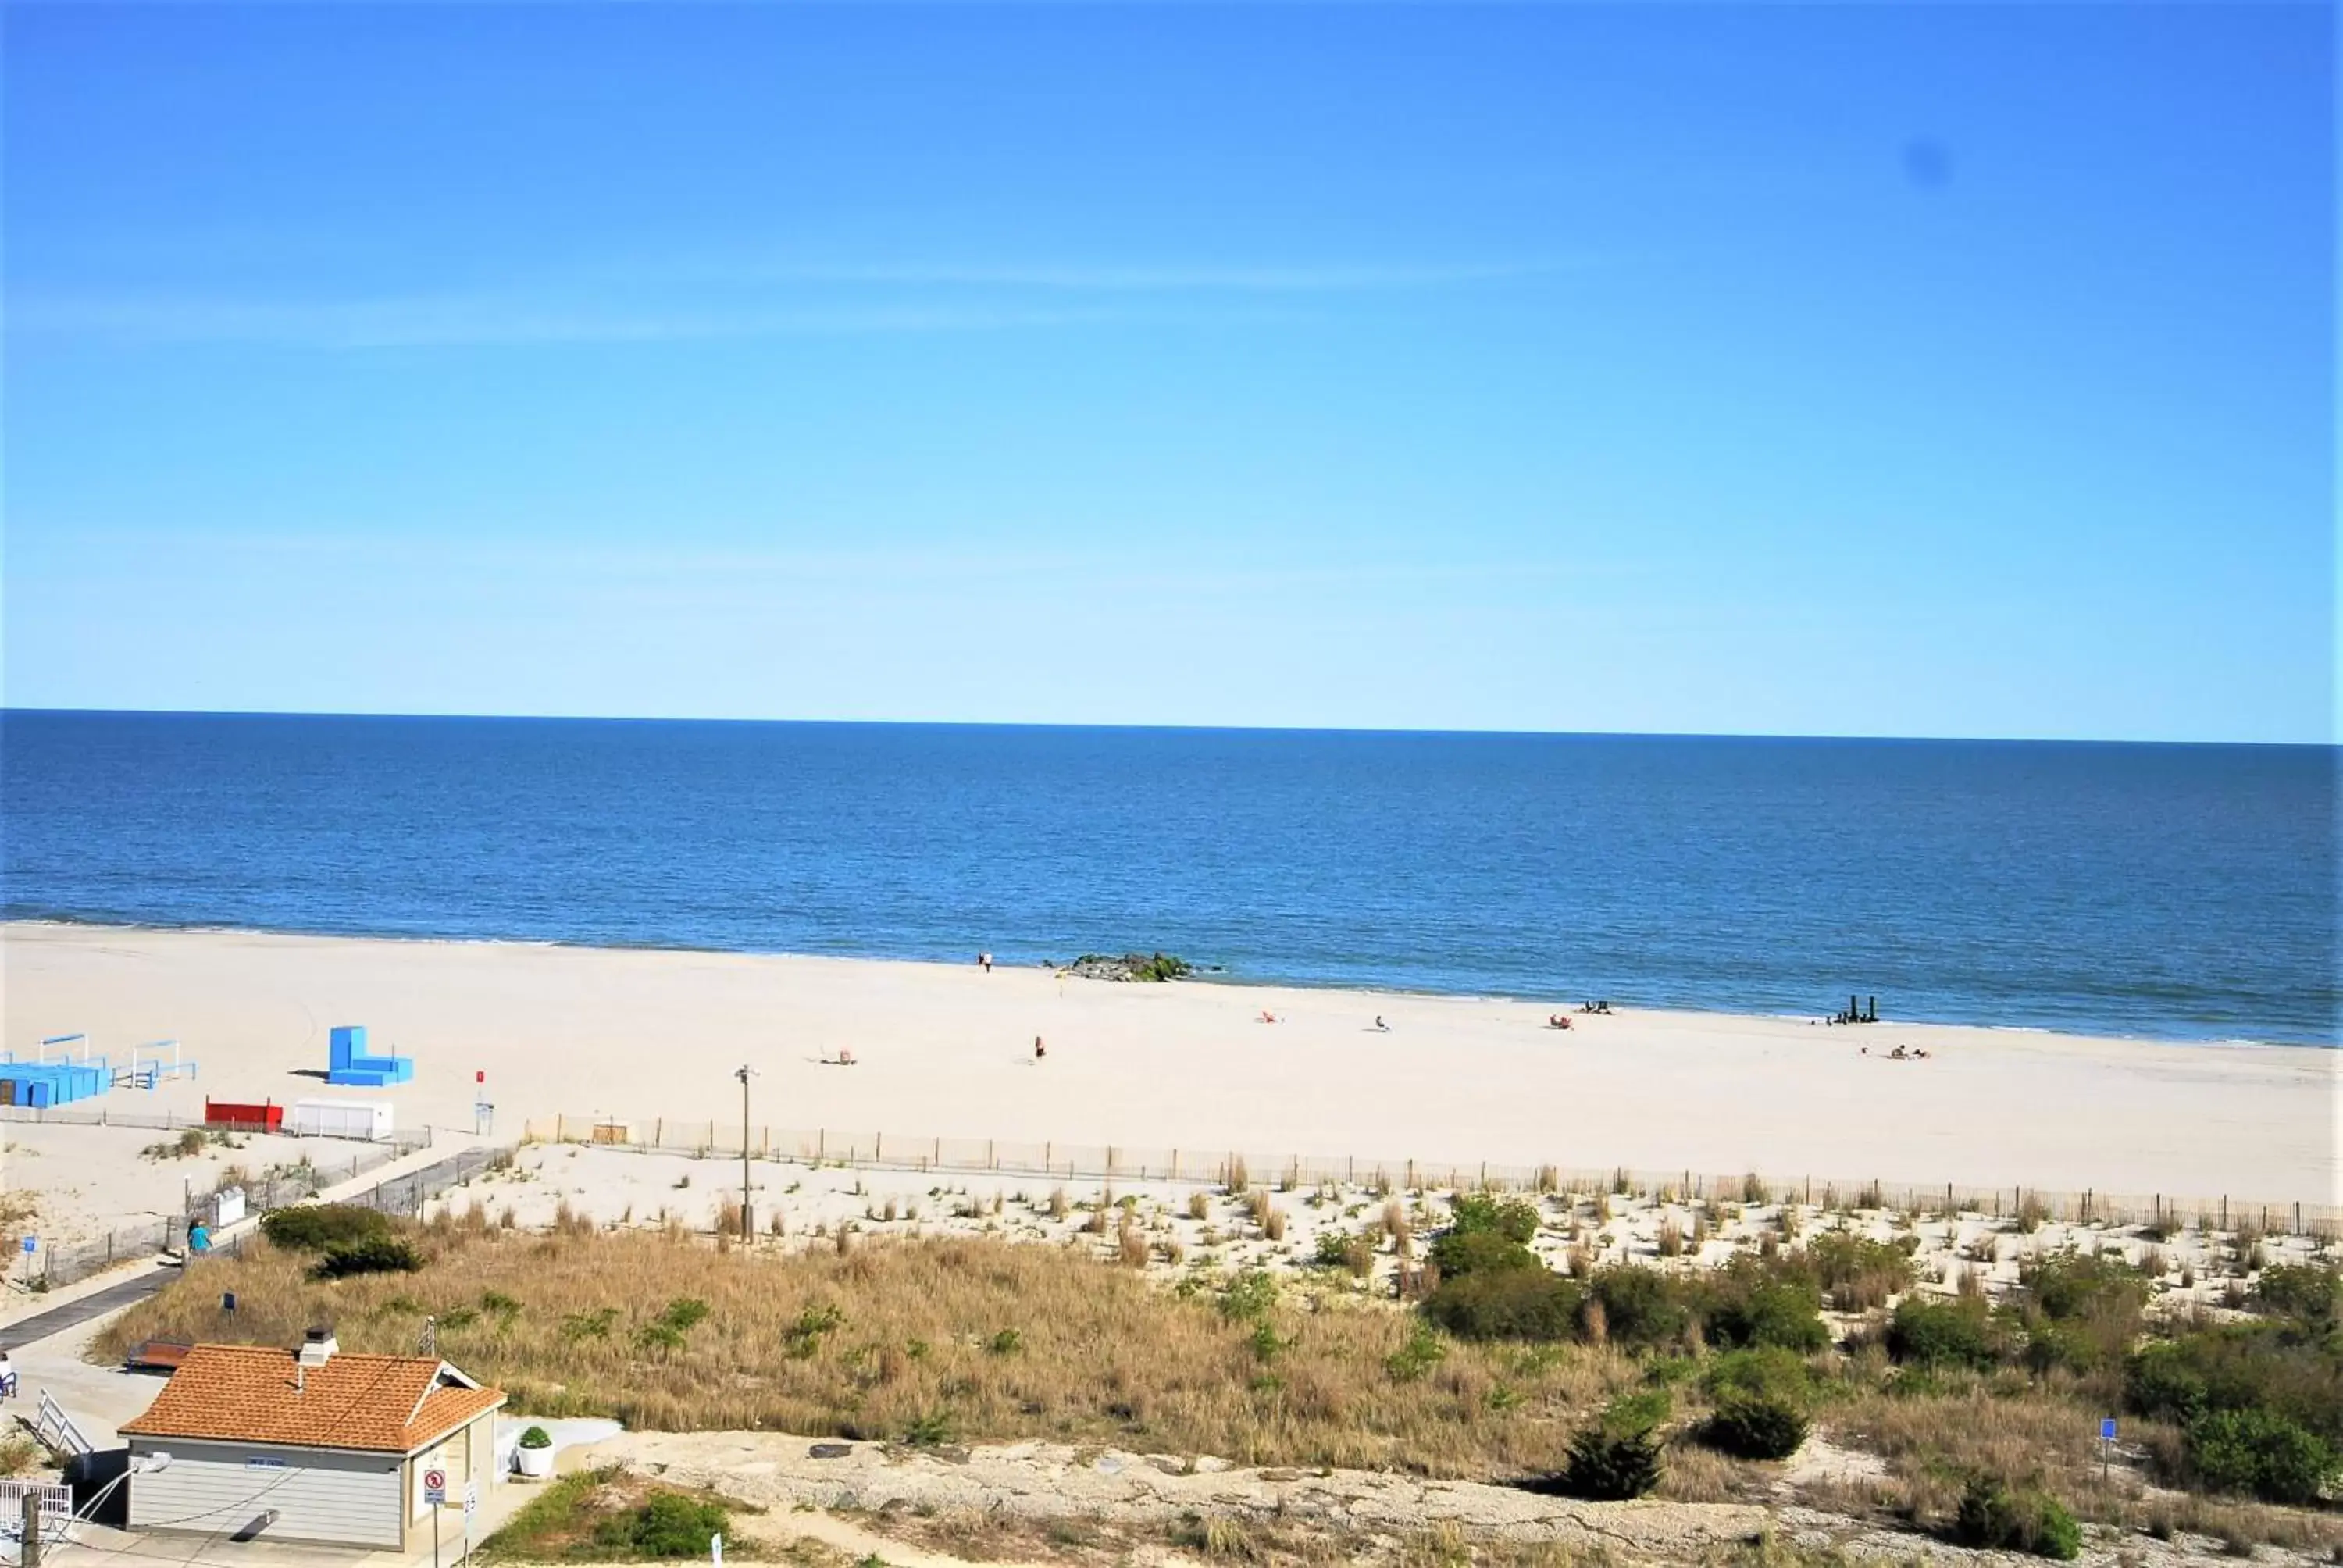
(747, 1220)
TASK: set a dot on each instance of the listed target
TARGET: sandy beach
(947, 1050)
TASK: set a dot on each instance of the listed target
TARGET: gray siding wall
(345, 1499)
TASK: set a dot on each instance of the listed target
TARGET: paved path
(97, 1303)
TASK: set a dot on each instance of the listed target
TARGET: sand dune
(948, 1050)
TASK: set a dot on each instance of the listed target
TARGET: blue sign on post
(32, 1243)
(2106, 1429)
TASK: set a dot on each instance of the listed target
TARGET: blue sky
(1846, 369)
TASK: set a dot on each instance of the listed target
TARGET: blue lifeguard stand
(350, 1063)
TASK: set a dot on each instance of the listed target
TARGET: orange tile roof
(251, 1394)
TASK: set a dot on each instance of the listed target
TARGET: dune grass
(928, 1341)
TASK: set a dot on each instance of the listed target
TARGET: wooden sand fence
(712, 1136)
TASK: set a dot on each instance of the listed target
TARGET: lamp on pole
(747, 1220)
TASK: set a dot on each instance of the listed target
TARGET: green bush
(1478, 1213)
(2070, 1285)
(1756, 1426)
(684, 1314)
(2262, 1452)
(1944, 1333)
(1761, 1398)
(1249, 1296)
(1416, 1359)
(1643, 1307)
(536, 1437)
(1460, 1253)
(1784, 1312)
(313, 1227)
(1618, 1456)
(1533, 1303)
(668, 1525)
(372, 1255)
(2280, 1367)
(2025, 1519)
(2309, 1291)
(1855, 1272)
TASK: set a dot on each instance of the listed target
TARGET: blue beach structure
(350, 1063)
(75, 1074)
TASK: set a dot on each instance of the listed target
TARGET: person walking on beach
(1040, 1051)
(984, 962)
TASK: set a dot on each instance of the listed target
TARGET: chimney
(318, 1348)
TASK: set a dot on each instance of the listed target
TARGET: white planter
(536, 1463)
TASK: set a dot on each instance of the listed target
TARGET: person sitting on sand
(1381, 1027)
(1267, 1016)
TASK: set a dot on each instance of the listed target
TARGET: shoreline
(1215, 976)
(642, 1034)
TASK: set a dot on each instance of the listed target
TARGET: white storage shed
(365, 1118)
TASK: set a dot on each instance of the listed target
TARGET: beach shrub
(1249, 1296)
(1417, 1357)
(1617, 1455)
(536, 1437)
(2261, 1453)
(2310, 1294)
(668, 1525)
(1959, 1333)
(1508, 1304)
(1515, 1220)
(1643, 1307)
(1750, 1304)
(313, 1227)
(1855, 1273)
(1761, 1398)
(2277, 1367)
(1484, 1235)
(372, 1255)
(1460, 1253)
(2080, 1313)
(1997, 1516)
(2066, 1286)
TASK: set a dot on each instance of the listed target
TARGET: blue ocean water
(2168, 891)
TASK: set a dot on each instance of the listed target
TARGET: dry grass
(1093, 1542)
(1096, 1354)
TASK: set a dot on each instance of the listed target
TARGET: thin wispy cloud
(1111, 279)
(712, 299)
(487, 322)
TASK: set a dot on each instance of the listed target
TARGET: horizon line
(10, 709)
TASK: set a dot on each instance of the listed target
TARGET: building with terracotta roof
(310, 1445)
